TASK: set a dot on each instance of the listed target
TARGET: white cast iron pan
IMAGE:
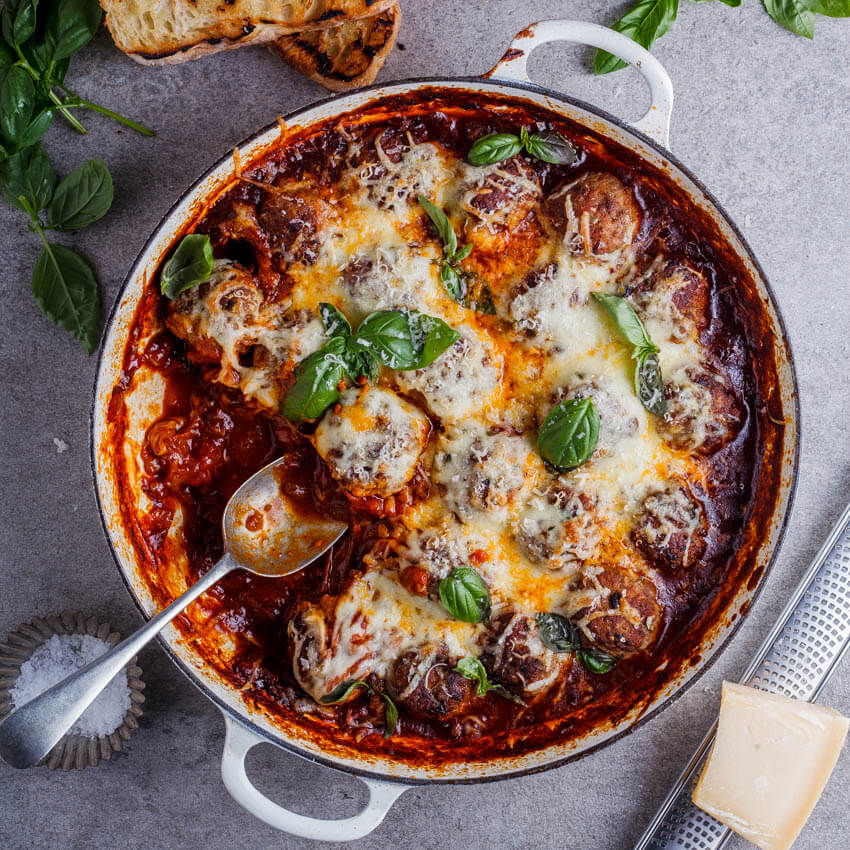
(385, 778)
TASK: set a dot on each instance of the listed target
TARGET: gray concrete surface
(762, 116)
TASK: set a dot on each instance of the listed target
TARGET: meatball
(424, 682)
(372, 440)
(479, 472)
(503, 194)
(675, 296)
(670, 527)
(615, 422)
(519, 660)
(293, 215)
(596, 215)
(617, 608)
(703, 413)
(558, 528)
(463, 378)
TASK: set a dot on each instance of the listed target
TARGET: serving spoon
(265, 532)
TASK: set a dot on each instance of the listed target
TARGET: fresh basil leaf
(558, 633)
(317, 379)
(551, 147)
(649, 385)
(472, 669)
(386, 334)
(83, 197)
(35, 129)
(18, 20)
(465, 595)
(431, 337)
(452, 281)
(626, 320)
(7, 55)
(64, 287)
(569, 433)
(442, 224)
(334, 321)
(343, 691)
(190, 264)
(358, 362)
(830, 8)
(17, 101)
(390, 716)
(494, 148)
(30, 175)
(70, 25)
(733, 3)
(793, 15)
(645, 22)
(461, 254)
(597, 660)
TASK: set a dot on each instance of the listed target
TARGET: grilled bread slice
(345, 56)
(166, 31)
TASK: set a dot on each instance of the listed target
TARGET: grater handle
(796, 660)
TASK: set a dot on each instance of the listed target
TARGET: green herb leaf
(830, 8)
(441, 222)
(316, 384)
(452, 281)
(343, 691)
(36, 128)
(628, 323)
(64, 286)
(70, 25)
(461, 254)
(190, 264)
(18, 20)
(649, 385)
(494, 148)
(30, 175)
(431, 337)
(83, 197)
(551, 147)
(645, 22)
(794, 15)
(390, 716)
(465, 595)
(558, 633)
(597, 660)
(733, 3)
(17, 101)
(569, 433)
(471, 668)
(334, 321)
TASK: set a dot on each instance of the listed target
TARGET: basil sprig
(560, 635)
(649, 384)
(63, 282)
(398, 339)
(569, 433)
(471, 668)
(547, 146)
(648, 20)
(344, 690)
(464, 287)
(190, 264)
(465, 595)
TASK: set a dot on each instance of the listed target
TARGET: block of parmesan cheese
(770, 762)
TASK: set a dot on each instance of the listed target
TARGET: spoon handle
(30, 732)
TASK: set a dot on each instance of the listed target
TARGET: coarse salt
(59, 657)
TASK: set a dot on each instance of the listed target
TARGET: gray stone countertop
(763, 117)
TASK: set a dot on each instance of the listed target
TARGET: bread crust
(342, 57)
(171, 31)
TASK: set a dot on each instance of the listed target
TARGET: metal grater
(796, 659)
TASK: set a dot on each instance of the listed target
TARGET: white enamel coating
(239, 741)
(656, 122)
(147, 405)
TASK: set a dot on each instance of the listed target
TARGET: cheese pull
(771, 760)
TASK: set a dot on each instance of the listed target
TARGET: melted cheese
(769, 765)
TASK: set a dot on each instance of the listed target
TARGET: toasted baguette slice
(164, 31)
(342, 57)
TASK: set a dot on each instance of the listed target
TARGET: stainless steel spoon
(264, 532)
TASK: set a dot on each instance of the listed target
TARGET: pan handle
(239, 740)
(656, 122)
